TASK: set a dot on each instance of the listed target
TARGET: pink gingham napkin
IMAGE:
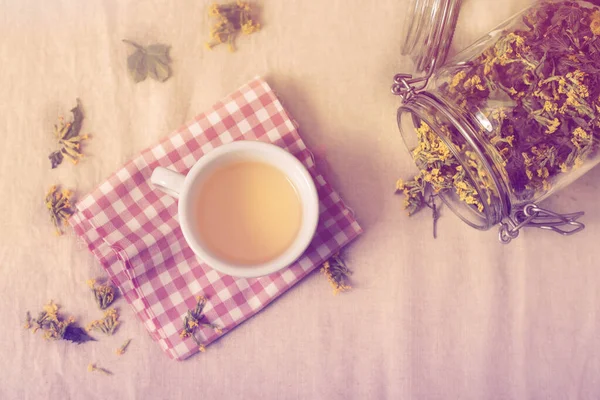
(133, 231)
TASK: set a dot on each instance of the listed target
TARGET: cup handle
(167, 181)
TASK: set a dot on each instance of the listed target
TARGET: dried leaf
(56, 158)
(157, 69)
(160, 51)
(136, 63)
(77, 335)
(152, 60)
(75, 126)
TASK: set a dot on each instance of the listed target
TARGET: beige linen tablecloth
(457, 317)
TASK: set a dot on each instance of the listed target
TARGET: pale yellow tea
(248, 212)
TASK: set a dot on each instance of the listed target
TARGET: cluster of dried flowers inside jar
(539, 89)
(439, 170)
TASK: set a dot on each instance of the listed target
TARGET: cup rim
(296, 248)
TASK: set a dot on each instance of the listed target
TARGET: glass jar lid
(428, 29)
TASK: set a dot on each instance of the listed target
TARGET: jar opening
(450, 163)
(428, 28)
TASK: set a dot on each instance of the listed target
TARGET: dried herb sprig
(59, 207)
(94, 368)
(337, 274)
(232, 18)
(107, 324)
(68, 138)
(104, 293)
(121, 350)
(193, 320)
(152, 60)
(55, 327)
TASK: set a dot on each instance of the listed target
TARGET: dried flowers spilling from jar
(68, 138)
(55, 327)
(440, 171)
(232, 19)
(534, 99)
(59, 206)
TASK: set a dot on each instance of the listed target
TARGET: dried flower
(193, 321)
(121, 350)
(107, 325)
(337, 274)
(104, 293)
(152, 60)
(95, 368)
(232, 18)
(59, 206)
(68, 138)
(55, 327)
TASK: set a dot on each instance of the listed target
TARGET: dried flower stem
(95, 368)
(121, 350)
(193, 321)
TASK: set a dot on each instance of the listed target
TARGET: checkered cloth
(133, 231)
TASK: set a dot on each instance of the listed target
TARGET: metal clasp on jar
(406, 86)
(534, 216)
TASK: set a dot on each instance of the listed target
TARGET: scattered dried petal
(337, 274)
(55, 327)
(232, 18)
(107, 325)
(68, 138)
(104, 293)
(59, 206)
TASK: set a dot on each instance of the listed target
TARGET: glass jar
(509, 120)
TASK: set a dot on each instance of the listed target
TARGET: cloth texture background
(457, 317)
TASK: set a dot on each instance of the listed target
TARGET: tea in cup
(247, 208)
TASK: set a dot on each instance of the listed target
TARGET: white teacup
(180, 186)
